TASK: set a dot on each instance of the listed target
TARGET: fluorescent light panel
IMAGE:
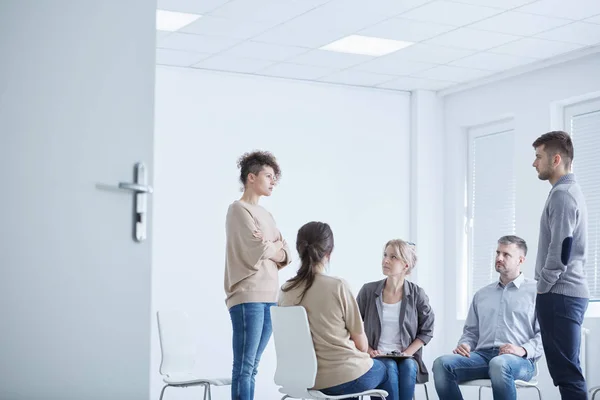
(172, 21)
(366, 45)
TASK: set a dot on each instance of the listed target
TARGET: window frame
(569, 111)
(496, 127)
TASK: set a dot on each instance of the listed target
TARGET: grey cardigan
(416, 318)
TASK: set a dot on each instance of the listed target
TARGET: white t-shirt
(390, 328)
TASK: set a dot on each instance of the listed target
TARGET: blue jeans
(402, 375)
(502, 370)
(252, 330)
(560, 320)
(375, 378)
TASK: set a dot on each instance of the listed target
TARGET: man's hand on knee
(512, 349)
(463, 349)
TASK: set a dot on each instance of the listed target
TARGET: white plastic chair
(178, 352)
(531, 384)
(296, 359)
(426, 392)
(585, 333)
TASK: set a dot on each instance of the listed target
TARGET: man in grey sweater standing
(561, 284)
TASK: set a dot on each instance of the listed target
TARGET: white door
(76, 113)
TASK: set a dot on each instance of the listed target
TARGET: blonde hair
(405, 250)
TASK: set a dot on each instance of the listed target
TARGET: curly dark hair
(253, 163)
(557, 142)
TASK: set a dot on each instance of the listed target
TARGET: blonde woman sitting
(397, 318)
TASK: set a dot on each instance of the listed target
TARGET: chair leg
(209, 392)
(595, 391)
(206, 386)
(426, 393)
(162, 392)
(480, 389)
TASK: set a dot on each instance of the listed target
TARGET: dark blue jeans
(402, 375)
(375, 378)
(502, 370)
(560, 319)
(252, 330)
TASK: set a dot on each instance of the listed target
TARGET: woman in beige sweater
(343, 364)
(255, 253)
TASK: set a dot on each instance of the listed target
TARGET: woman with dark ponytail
(343, 363)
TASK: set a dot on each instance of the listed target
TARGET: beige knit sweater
(251, 274)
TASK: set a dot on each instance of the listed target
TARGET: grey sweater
(562, 246)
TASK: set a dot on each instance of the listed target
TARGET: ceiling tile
(349, 16)
(537, 48)
(446, 12)
(295, 71)
(332, 59)
(360, 78)
(190, 6)
(294, 34)
(339, 16)
(233, 64)
(198, 43)
(577, 32)
(594, 20)
(413, 83)
(178, 57)
(386, 7)
(522, 24)
(266, 10)
(578, 9)
(429, 54)
(242, 9)
(217, 26)
(492, 62)
(393, 66)
(406, 30)
(264, 51)
(473, 39)
(504, 4)
(454, 74)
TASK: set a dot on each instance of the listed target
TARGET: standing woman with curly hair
(255, 252)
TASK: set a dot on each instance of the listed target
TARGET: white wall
(528, 99)
(427, 211)
(344, 153)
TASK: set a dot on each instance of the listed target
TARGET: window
(490, 199)
(582, 121)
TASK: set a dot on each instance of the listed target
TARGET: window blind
(584, 123)
(491, 200)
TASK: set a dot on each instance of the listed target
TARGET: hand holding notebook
(394, 354)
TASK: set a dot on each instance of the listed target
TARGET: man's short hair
(512, 239)
(557, 142)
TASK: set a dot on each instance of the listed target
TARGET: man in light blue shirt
(501, 339)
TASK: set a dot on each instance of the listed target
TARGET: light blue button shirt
(502, 315)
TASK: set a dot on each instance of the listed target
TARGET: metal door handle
(141, 191)
(136, 187)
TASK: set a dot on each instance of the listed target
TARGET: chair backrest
(296, 359)
(536, 371)
(178, 343)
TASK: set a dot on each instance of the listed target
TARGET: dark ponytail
(313, 243)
